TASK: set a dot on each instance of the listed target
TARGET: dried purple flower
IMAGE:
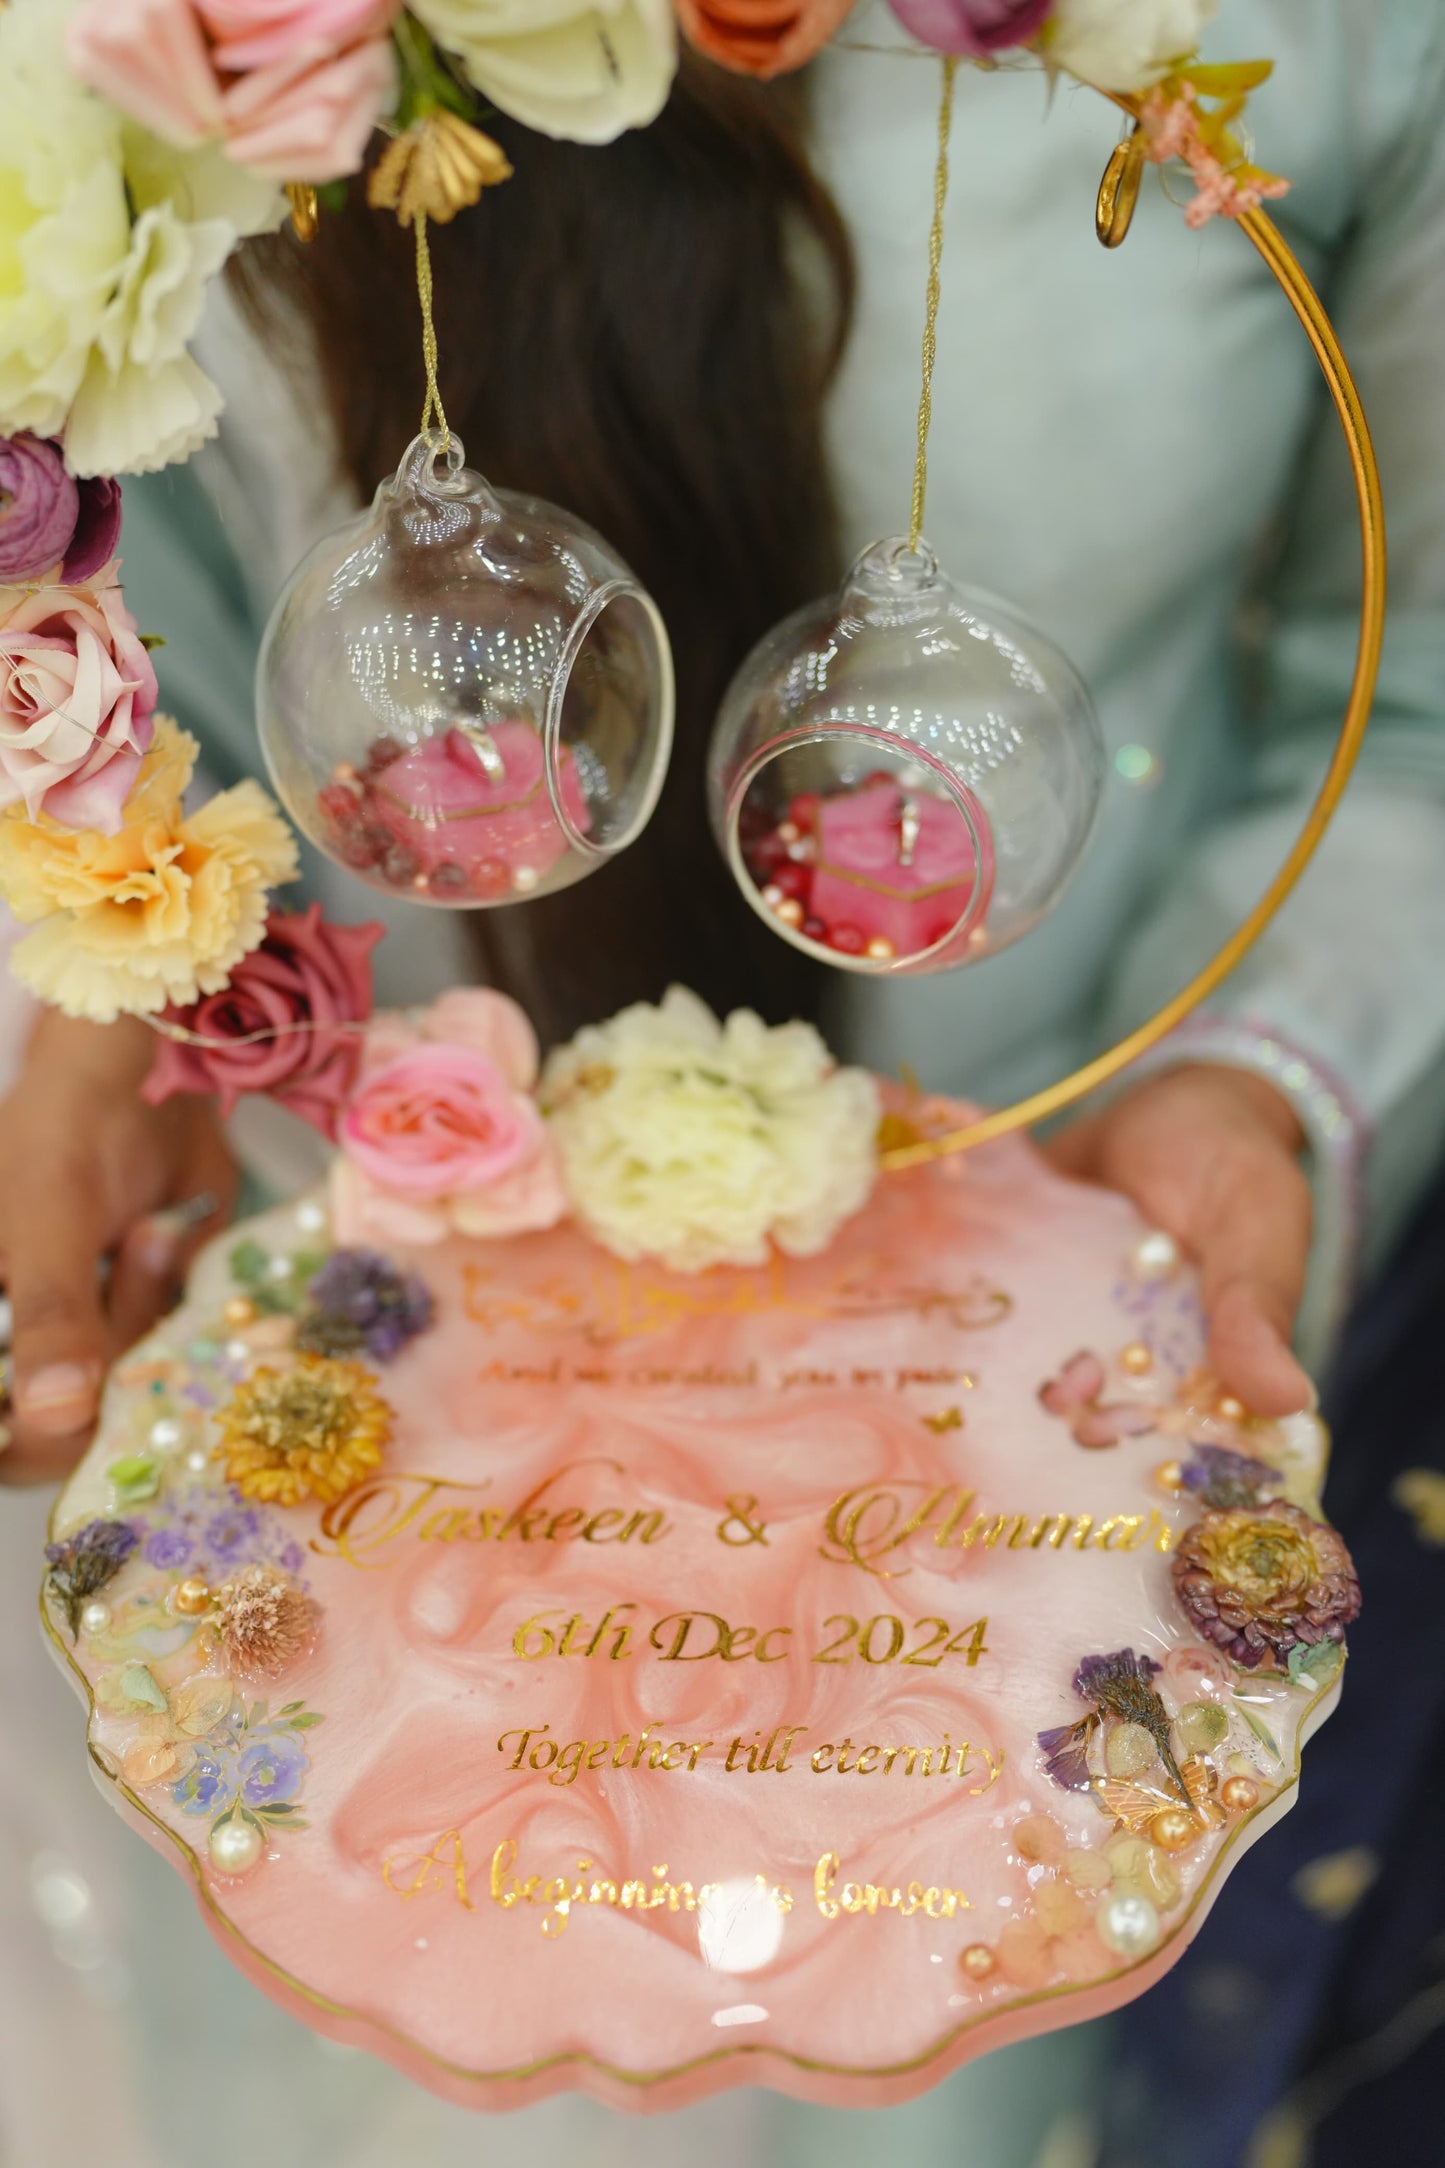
(1259, 1581)
(1121, 1685)
(359, 1300)
(1220, 1478)
(1066, 1754)
(84, 1563)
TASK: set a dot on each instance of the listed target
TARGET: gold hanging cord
(433, 408)
(930, 313)
(1305, 302)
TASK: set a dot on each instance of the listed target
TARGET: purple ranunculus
(270, 1771)
(972, 27)
(167, 1547)
(48, 518)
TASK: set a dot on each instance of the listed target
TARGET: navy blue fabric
(1334, 2028)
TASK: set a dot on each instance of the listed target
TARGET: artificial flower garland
(140, 142)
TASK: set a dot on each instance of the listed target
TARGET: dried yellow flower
(316, 1431)
(438, 167)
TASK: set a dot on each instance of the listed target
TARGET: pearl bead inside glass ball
(1129, 1925)
(1155, 1256)
(235, 1847)
(95, 1618)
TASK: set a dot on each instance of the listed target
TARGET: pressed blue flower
(233, 1530)
(167, 1547)
(271, 1770)
(209, 1785)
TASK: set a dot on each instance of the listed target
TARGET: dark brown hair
(644, 333)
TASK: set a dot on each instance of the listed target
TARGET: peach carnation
(159, 912)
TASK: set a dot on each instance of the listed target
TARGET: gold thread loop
(930, 315)
(433, 407)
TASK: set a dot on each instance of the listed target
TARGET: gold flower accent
(316, 1430)
(439, 166)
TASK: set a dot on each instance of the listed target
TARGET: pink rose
(1192, 1670)
(306, 972)
(76, 695)
(972, 26)
(442, 1134)
(47, 518)
(293, 87)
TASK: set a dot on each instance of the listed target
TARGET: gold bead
(1173, 1829)
(1169, 1475)
(977, 1961)
(880, 948)
(790, 911)
(191, 1597)
(1136, 1359)
(1239, 1794)
(1228, 1409)
(240, 1310)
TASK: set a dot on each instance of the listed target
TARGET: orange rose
(761, 37)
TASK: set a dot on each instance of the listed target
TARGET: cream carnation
(111, 238)
(693, 1142)
(581, 69)
(1124, 44)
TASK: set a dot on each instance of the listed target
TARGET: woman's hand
(89, 1171)
(1211, 1155)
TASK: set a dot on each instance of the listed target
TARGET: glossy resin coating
(667, 1713)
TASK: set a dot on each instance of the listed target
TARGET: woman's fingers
(155, 1252)
(1253, 1246)
(54, 1237)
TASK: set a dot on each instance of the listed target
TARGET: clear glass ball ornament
(464, 695)
(904, 775)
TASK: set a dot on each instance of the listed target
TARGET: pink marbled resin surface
(619, 1389)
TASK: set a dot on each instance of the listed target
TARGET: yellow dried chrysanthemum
(316, 1430)
(163, 910)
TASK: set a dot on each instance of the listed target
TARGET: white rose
(580, 69)
(1125, 44)
(114, 237)
(694, 1142)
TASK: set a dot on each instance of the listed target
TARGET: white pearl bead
(1156, 1256)
(278, 1268)
(310, 1218)
(525, 879)
(238, 1351)
(198, 1460)
(1129, 1925)
(235, 1847)
(95, 1618)
(167, 1433)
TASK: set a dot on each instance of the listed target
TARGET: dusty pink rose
(442, 1134)
(1191, 1671)
(76, 695)
(972, 26)
(293, 87)
(47, 518)
(307, 973)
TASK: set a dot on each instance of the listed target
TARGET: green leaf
(304, 1723)
(150, 641)
(1317, 1665)
(248, 1262)
(1261, 1732)
(291, 1707)
(331, 195)
(257, 1715)
(139, 1686)
(136, 1477)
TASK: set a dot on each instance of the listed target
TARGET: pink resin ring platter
(811, 1676)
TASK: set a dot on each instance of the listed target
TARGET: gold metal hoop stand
(1306, 303)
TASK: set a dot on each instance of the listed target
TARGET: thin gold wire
(433, 407)
(930, 314)
(1305, 302)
